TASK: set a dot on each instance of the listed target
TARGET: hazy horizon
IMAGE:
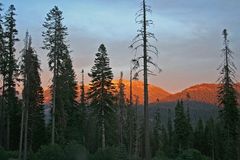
(188, 32)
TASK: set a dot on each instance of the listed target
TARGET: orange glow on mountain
(206, 93)
(155, 93)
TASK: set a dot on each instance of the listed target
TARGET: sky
(189, 34)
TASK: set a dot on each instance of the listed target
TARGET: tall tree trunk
(137, 131)
(130, 134)
(27, 95)
(146, 116)
(8, 131)
(2, 116)
(103, 131)
(131, 117)
(26, 135)
(21, 135)
(54, 99)
(213, 147)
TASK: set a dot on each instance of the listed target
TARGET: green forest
(105, 124)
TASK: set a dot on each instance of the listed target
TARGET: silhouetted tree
(157, 145)
(122, 108)
(180, 127)
(82, 87)
(33, 116)
(210, 138)
(138, 130)
(2, 68)
(10, 70)
(143, 40)
(101, 93)
(190, 129)
(228, 100)
(170, 147)
(64, 84)
(131, 114)
(199, 138)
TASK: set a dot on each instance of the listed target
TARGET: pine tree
(170, 148)
(190, 129)
(143, 40)
(33, 116)
(137, 129)
(77, 121)
(164, 141)
(180, 127)
(131, 115)
(130, 129)
(82, 87)
(157, 133)
(199, 139)
(220, 143)
(64, 84)
(67, 95)
(2, 68)
(122, 108)
(10, 70)
(228, 100)
(209, 132)
(83, 113)
(101, 93)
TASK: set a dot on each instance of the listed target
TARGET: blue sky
(188, 32)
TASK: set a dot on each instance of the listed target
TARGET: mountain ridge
(155, 93)
(204, 92)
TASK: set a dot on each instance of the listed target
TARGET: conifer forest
(97, 112)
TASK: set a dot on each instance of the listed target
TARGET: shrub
(111, 153)
(50, 152)
(74, 151)
(106, 154)
(3, 154)
(191, 154)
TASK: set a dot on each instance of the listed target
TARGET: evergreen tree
(137, 130)
(209, 132)
(82, 96)
(82, 112)
(199, 138)
(34, 124)
(64, 84)
(228, 100)
(2, 68)
(131, 115)
(165, 142)
(76, 129)
(101, 93)
(170, 148)
(157, 133)
(220, 143)
(10, 70)
(130, 129)
(180, 127)
(68, 94)
(122, 108)
(190, 129)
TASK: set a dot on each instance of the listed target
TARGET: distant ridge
(155, 93)
(205, 93)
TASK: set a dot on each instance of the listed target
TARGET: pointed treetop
(225, 33)
(102, 48)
